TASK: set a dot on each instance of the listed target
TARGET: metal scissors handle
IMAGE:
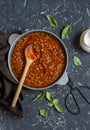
(72, 89)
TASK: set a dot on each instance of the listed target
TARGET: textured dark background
(27, 15)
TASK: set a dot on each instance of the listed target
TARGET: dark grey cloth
(7, 83)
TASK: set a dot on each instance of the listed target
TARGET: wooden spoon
(30, 57)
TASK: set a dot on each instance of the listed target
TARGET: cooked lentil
(48, 67)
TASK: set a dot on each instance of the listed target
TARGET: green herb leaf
(77, 61)
(49, 96)
(40, 96)
(50, 104)
(55, 101)
(58, 107)
(51, 20)
(43, 112)
(66, 31)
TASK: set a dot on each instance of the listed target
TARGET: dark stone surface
(27, 15)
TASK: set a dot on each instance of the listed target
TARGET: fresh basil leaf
(43, 112)
(66, 31)
(50, 104)
(55, 101)
(52, 20)
(49, 96)
(40, 96)
(58, 107)
(77, 61)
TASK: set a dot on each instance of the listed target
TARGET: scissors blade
(70, 83)
(84, 96)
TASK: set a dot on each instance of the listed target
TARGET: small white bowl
(85, 40)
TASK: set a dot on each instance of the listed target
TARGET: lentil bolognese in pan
(48, 67)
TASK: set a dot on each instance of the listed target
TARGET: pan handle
(63, 80)
(12, 38)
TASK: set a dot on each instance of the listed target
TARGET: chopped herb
(66, 31)
(77, 61)
(50, 104)
(40, 96)
(43, 112)
(49, 96)
(55, 101)
(58, 107)
(51, 20)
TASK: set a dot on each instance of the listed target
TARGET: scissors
(73, 89)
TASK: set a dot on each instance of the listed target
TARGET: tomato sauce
(49, 65)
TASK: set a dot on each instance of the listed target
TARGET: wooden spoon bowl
(30, 57)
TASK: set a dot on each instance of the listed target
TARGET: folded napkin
(7, 83)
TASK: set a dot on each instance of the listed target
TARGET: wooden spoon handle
(20, 84)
